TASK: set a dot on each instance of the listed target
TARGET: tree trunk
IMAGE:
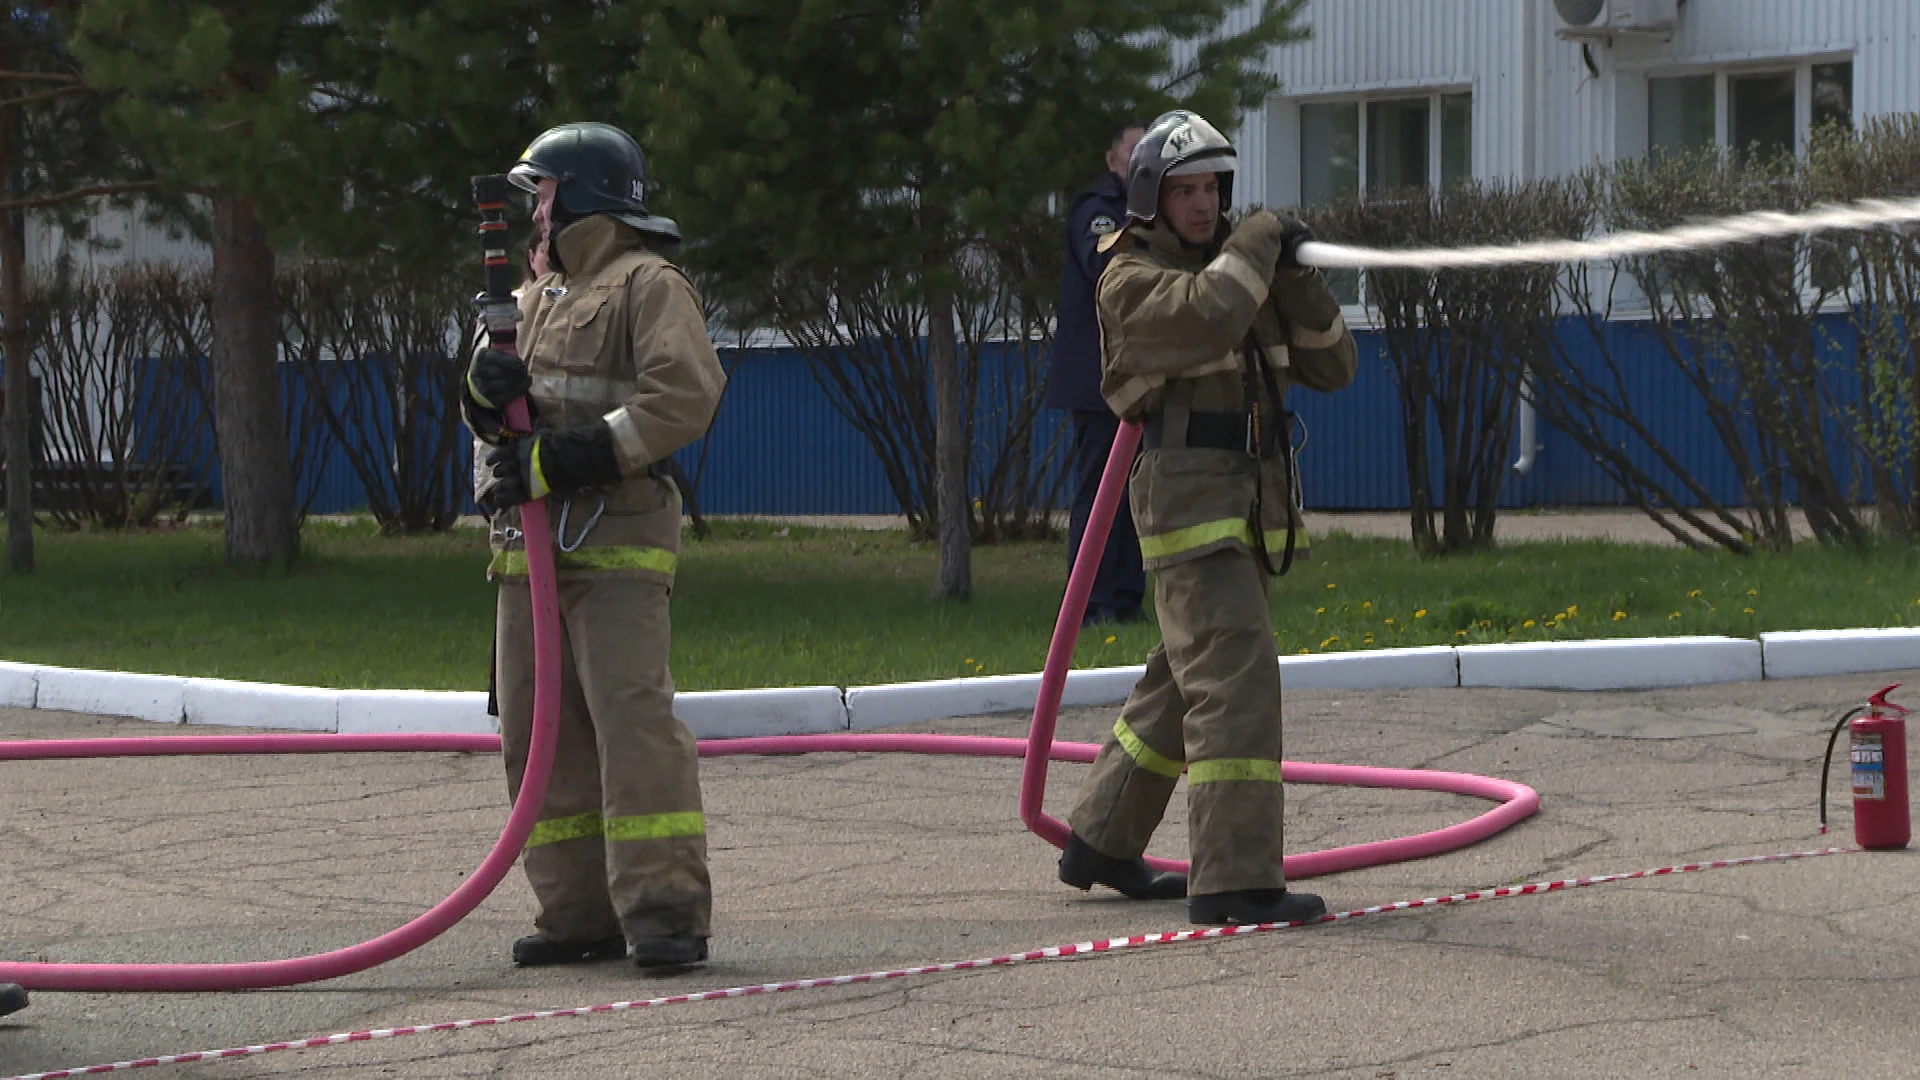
(256, 473)
(18, 422)
(949, 449)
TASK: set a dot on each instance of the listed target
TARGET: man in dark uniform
(1074, 384)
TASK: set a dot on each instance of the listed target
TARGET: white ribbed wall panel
(1376, 47)
(1538, 110)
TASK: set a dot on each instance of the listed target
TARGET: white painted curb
(19, 685)
(1098, 686)
(1607, 664)
(738, 714)
(910, 703)
(1382, 669)
(463, 712)
(1616, 664)
(227, 703)
(1800, 653)
(160, 698)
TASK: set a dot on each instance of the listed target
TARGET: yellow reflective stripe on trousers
(657, 826)
(1143, 755)
(1161, 545)
(554, 830)
(1219, 769)
(514, 563)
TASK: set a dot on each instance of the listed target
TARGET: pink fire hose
(1517, 800)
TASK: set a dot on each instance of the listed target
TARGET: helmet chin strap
(557, 222)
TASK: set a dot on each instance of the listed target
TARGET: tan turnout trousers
(1209, 702)
(621, 846)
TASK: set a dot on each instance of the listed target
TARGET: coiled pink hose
(1517, 800)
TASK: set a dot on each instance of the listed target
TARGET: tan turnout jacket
(1173, 323)
(622, 337)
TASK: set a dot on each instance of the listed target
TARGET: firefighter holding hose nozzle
(1204, 325)
(619, 373)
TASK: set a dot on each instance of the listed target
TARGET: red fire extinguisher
(1878, 760)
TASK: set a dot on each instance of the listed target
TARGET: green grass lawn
(762, 605)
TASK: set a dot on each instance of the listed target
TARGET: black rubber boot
(12, 998)
(539, 950)
(669, 954)
(1082, 867)
(1254, 906)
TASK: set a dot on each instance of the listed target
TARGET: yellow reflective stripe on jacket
(514, 563)
(1277, 539)
(657, 826)
(554, 830)
(1143, 755)
(1219, 769)
(1161, 545)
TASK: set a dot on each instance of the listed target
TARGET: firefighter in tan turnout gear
(1203, 327)
(620, 373)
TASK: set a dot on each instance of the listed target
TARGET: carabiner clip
(560, 531)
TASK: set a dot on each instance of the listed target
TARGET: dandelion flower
(1573, 609)
(1304, 650)
(1694, 595)
(1747, 611)
(1619, 616)
(1528, 625)
(1422, 613)
(1112, 638)
(1319, 611)
(1459, 633)
(1366, 605)
(1389, 622)
(1331, 585)
(1673, 616)
(1753, 592)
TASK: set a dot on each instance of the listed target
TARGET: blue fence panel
(778, 446)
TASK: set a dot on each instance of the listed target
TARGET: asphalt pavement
(839, 863)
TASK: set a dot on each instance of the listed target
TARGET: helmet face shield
(526, 176)
(1213, 164)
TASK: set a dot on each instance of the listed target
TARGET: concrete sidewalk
(834, 864)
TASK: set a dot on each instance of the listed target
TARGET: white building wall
(1537, 108)
(116, 237)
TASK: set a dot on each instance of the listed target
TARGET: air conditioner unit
(1599, 20)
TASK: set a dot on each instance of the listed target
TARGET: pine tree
(56, 157)
(343, 128)
(218, 99)
(891, 133)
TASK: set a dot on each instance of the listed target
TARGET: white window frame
(1364, 314)
(1724, 72)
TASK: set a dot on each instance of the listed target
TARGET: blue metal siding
(778, 447)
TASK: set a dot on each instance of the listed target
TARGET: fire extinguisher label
(1869, 767)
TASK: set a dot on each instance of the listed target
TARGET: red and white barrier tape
(1056, 952)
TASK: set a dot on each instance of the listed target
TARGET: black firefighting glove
(551, 463)
(1294, 233)
(495, 377)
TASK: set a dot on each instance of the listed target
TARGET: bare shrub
(1459, 342)
(126, 432)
